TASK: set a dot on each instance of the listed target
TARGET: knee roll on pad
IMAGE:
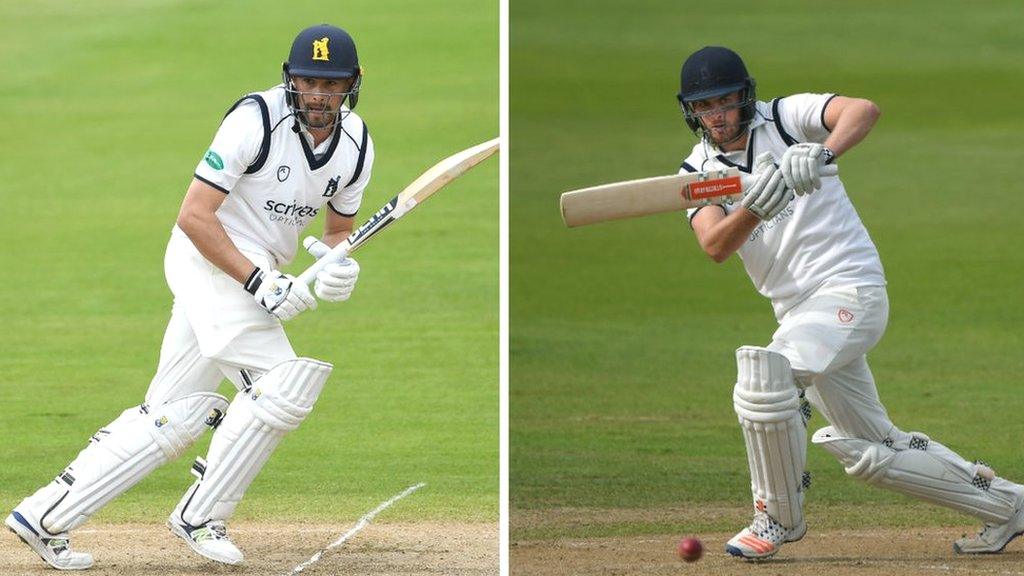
(767, 404)
(121, 454)
(913, 464)
(255, 423)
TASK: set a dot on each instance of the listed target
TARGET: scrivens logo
(290, 214)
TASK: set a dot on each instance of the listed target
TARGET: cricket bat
(646, 196)
(413, 195)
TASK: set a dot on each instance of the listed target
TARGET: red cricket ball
(690, 549)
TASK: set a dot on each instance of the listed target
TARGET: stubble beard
(729, 133)
(319, 116)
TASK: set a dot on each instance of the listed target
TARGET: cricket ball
(690, 549)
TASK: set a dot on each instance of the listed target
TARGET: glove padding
(282, 295)
(769, 194)
(337, 280)
(801, 167)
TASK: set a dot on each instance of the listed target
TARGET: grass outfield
(108, 106)
(622, 334)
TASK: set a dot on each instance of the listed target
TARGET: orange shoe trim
(756, 544)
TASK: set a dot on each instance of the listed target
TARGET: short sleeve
(234, 148)
(347, 201)
(803, 115)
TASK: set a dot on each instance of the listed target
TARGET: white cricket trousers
(216, 331)
(826, 339)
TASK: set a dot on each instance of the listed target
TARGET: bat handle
(337, 254)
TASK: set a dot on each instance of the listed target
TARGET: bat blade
(633, 198)
(423, 187)
(445, 171)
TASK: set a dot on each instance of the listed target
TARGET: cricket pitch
(274, 549)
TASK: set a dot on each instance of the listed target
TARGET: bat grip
(337, 254)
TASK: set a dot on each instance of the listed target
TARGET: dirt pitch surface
(914, 552)
(275, 549)
(860, 552)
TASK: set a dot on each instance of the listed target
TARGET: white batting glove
(801, 167)
(336, 281)
(769, 194)
(280, 294)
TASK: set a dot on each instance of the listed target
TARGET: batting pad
(767, 403)
(918, 466)
(139, 441)
(256, 421)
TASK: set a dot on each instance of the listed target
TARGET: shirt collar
(309, 140)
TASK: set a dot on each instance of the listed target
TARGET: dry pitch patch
(275, 549)
(862, 552)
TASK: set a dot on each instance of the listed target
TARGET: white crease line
(366, 519)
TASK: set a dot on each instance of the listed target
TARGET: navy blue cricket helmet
(322, 51)
(710, 72)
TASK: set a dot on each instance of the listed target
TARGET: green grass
(622, 335)
(107, 107)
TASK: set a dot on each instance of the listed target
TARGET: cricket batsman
(279, 158)
(806, 249)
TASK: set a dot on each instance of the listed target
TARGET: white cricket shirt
(818, 240)
(275, 182)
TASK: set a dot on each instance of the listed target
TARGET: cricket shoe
(54, 549)
(763, 538)
(209, 540)
(993, 537)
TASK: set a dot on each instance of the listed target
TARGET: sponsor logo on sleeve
(214, 160)
(332, 187)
